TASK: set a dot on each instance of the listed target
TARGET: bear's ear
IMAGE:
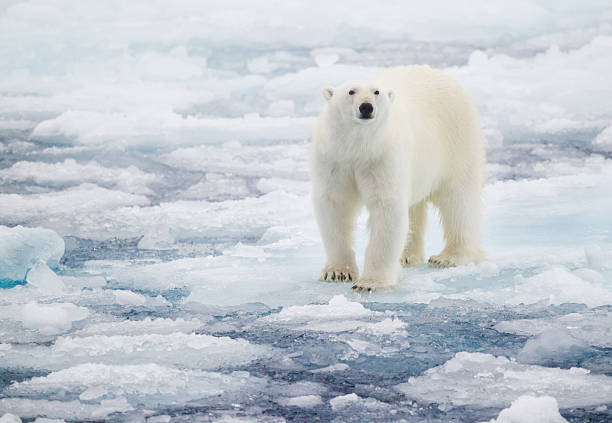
(328, 93)
(391, 95)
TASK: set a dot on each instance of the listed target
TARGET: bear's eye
(376, 92)
(351, 92)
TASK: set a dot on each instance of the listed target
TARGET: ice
(180, 349)
(460, 382)
(70, 410)
(125, 297)
(337, 308)
(160, 240)
(23, 248)
(9, 418)
(529, 409)
(81, 203)
(48, 319)
(69, 172)
(145, 383)
(593, 327)
(305, 401)
(353, 400)
(43, 278)
(141, 327)
(551, 347)
(603, 141)
(150, 131)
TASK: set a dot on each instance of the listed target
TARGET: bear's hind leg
(414, 252)
(460, 212)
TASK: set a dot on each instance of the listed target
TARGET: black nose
(366, 109)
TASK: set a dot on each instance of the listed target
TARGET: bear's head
(359, 103)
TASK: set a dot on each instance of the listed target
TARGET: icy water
(158, 252)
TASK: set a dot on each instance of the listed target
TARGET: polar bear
(410, 137)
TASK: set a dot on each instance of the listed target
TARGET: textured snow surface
(158, 250)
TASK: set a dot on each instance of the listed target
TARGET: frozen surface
(528, 409)
(158, 251)
(460, 381)
(21, 249)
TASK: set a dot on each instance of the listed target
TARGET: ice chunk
(149, 383)
(305, 401)
(47, 319)
(554, 286)
(597, 257)
(69, 172)
(338, 367)
(603, 141)
(337, 308)
(339, 315)
(551, 347)
(158, 237)
(343, 401)
(9, 418)
(70, 410)
(81, 202)
(592, 326)
(141, 327)
(22, 248)
(44, 279)
(353, 401)
(166, 128)
(530, 409)
(126, 297)
(186, 350)
(460, 382)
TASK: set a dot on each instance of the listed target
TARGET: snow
(529, 409)
(158, 250)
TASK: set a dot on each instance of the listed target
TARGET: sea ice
(191, 251)
(22, 248)
(179, 349)
(530, 409)
(48, 319)
(593, 327)
(483, 380)
(148, 383)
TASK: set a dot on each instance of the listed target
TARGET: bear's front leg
(336, 219)
(388, 228)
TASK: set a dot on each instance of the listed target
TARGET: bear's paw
(411, 260)
(371, 285)
(443, 260)
(330, 274)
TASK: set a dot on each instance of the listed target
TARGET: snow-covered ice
(528, 409)
(158, 251)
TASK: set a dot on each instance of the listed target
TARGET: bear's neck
(350, 139)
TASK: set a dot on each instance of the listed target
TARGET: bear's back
(440, 114)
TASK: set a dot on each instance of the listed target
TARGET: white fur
(423, 144)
